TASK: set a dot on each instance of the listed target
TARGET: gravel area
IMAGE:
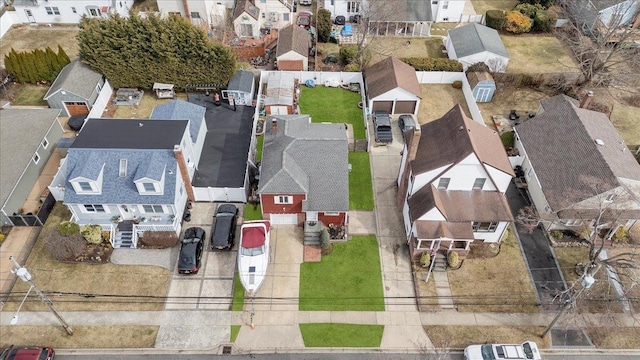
(165, 258)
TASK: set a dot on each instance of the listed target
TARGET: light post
(587, 283)
(25, 276)
(14, 319)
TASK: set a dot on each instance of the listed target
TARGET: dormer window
(85, 186)
(122, 168)
(149, 187)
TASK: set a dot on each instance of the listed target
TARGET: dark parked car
(27, 353)
(339, 20)
(406, 122)
(191, 250)
(224, 229)
(382, 127)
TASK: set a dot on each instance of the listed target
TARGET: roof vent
(599, 142)
(140, 124)
(461, 128)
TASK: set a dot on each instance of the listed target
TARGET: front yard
(462, 336)
(334, 105)
(341, 335)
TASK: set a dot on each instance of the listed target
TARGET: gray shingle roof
(242, 80)
(76, 78)
(21, 132)
(181, 110)
(293, 38)
(560, 143)
(475, 38)
(306, 158)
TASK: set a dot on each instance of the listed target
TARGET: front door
(312, 216)
(32, 20)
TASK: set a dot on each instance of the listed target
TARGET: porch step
(440, 263)
(123, 239)
(312, 238)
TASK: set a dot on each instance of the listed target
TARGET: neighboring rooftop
(130, 134)
(247, 6)
(475, 38)
(181, 110)
(389, 74)
(76, 78)
(293, 38)
(242, 80)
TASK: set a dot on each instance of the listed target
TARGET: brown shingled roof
(443, 229)
(458, 205)
(247, 6)
(452, 138)
(293, 38)
(389, 74)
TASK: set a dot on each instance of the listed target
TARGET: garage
(405, 107)
(386, 106)
(284, 219)
(76, 108)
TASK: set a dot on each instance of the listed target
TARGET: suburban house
(403, 10)
(392, 86)
(67, 11)
(183, 110)
(79, 90)
(293, 48)
(590, 15)
(207, 14)
(451, 185)
(275, 14)
(280, 97)
(246, 19)
(128, 176)
(475, 43)
(241, 87)
(305, 171)
(577, 167)
(28, 137)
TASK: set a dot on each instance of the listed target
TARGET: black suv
(224, 229)
(382, 127)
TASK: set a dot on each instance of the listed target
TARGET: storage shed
(482, 85)
(280, 94)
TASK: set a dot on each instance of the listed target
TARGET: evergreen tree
(54, 64)
(63, 58)
(40, 62)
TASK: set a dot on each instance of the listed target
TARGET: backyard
(360, 184)
(481, 6)
(334, 105)
(353, 270)
(434, 106)
(401, 47)
(27, 38)
(535, 54)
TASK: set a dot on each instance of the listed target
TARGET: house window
(444, 183)
(263, 1)
(353, 7)
(150, 187)
(98, 88)
(122, 168)
(85, 186)
(479, 183)
(45, 143)
(285, 16)
(153, 209)
(264, 16)
(445, 5)
(573, 222)
(73, 10)
(36, 158)
(195, 15)
(176, 13)
(484, 226)
(434, 2)
(331, 213)
(52, 10)
(95, 12)
(94, 208)
(283, 199)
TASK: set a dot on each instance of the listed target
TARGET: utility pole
(587, 283)
(25, 276)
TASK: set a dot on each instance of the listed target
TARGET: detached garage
(392, 86)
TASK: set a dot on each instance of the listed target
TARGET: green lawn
(341, 335)
(252, 214)
(238, 295)
(360, 184)
(235, 329)
(31, 95)
(259, 143)
(347, 279)
(334, 105)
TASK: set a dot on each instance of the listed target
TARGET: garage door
(76, 108)
(405, 107)
(284, 219)
(382, 106)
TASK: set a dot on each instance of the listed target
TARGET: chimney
(586, 100)
(274, 126)
(412, 142)
(636, 22)
(185, 5)
(184, 172)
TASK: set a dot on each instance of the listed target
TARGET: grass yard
(142, 111)
(494, 284)
(437, 99)
(625, 119)
(235, 329)
(481, 6)
(30, 95)
(238, 295)
(142, 284)
(334, 105)
(459, 337)
(341, 335)
(614, 337)
(348, 279)
(532, 54)
(442, 29)
(360, 183)
(259, 144)
(26, 38)
(383, 47)
(84, 337)
(252, 214)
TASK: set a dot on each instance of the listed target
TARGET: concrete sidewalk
(18, 244)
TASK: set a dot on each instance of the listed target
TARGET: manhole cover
(569, 338)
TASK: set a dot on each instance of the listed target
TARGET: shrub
(106, 236)
(92, 233)
(425, 259)
(352, 67)
(478, 67)
(65, 248)
(68, 228)
(544, 21)
(621, 236)
(2, 237)
(600, 107)
(556, 234)
(530, 10)
(323, 22)
(433, 64)
(543, 3)
(457, 84)
(453, 259)
(159, 239)
(496, 19)
(517, 22)
(349, 54)
(508, 139)
(325, 242)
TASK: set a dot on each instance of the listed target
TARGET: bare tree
(604, 45)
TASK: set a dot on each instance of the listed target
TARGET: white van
(525, 351)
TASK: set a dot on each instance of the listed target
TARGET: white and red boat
(253, 253)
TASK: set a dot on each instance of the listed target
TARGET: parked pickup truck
(525, 351)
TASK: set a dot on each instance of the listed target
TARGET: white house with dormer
(404, 10)
(67, 11)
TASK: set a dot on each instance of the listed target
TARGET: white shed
(475, 43)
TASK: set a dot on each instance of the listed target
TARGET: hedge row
(433, 64)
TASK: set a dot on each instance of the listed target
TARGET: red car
(304, 19)
(27, 353)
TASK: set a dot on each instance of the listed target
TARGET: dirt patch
(459, 337)
(427, 296)
(506, 98)
(29, 37)
(614, 338)
(401, 47)
(624, 115)
(481, 6)
(433, 107)
(84, 337)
